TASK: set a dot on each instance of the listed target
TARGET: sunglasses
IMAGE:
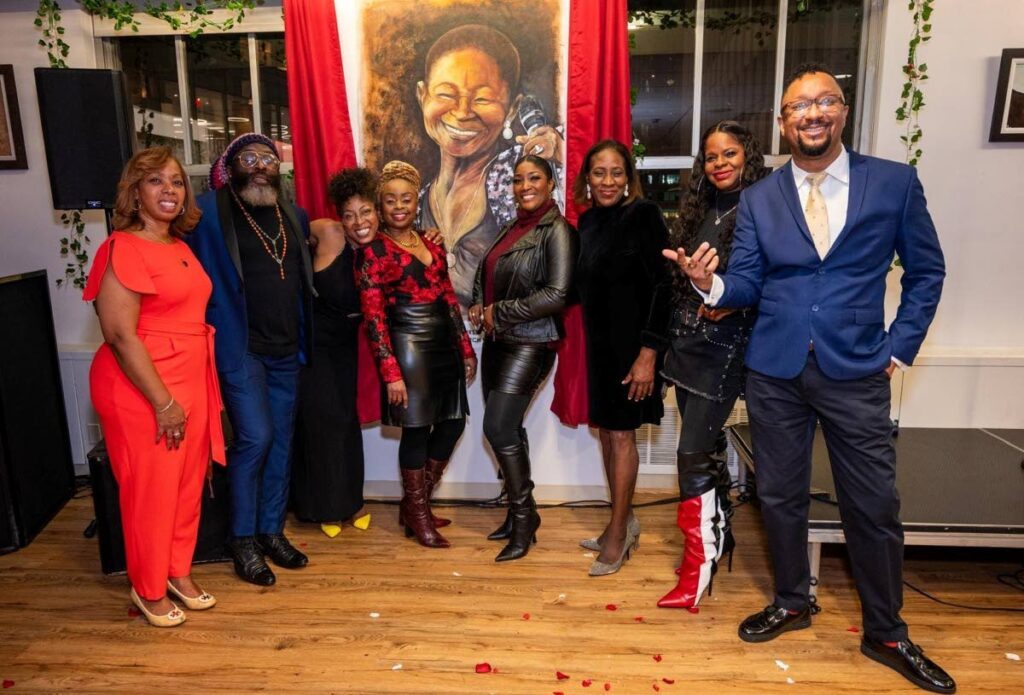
(249, 159)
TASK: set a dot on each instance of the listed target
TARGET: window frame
(869, 61)
(258, 22)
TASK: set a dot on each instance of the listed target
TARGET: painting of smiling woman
(471, 100)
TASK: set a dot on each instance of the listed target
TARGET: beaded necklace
(269, 242)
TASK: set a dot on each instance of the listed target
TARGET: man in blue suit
(252, 243)
(813, 246)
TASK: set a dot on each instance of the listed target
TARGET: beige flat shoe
(172, 619)
(202, 602)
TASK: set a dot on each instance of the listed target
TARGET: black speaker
(214, 521)
(37, 474)
(88, 132)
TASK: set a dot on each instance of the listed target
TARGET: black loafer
(249, 562)
(283, 553)
(772, 622)
(908, 660)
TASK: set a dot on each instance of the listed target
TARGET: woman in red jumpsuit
(153, 381)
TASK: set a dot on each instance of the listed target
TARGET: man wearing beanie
(252, 243)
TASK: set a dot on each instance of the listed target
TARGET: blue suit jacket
(215, 243)
(838, 301)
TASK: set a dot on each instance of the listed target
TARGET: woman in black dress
(327, 475)
(705, 360)
(520, 290)
(625, 290)
(425, 359)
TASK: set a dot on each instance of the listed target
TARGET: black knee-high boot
(515, 466)
(505, 530)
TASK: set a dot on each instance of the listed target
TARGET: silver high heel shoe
(600, 569)
(632, 526)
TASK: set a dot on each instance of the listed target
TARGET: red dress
(160, 489)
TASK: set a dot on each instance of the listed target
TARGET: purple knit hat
(220, 175)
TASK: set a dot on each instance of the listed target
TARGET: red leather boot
(432, 473)
(698, 518)
(415, 510)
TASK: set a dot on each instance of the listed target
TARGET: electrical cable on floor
(996, 609)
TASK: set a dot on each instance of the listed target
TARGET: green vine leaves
(73, 250)
(912, 96)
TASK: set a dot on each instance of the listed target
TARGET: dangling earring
(506, 131)
(588, 191)
(182, 211)
(136, 207)
(625, 193)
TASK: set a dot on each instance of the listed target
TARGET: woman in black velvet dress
(327, 474)
(625, 289)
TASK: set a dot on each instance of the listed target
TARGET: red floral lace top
(390, 276)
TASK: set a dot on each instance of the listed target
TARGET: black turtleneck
(723, 208)
(272, 304)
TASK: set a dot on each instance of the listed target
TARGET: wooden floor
(65, 627)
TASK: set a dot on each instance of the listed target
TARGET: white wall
(29, 228)
(971, 369)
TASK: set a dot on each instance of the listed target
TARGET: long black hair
(701, 192)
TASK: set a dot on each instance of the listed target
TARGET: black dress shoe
(772, 622)
(281, 551)
(249, 562)
(908, 660)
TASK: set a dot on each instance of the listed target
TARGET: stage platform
(958, 488)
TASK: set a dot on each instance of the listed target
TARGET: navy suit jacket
(836, 302)
(215, 243)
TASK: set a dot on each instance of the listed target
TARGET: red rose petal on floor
(667, 680)
(8, 684)
(656, 688)
(561, 676)
(557, 692)
(853, 628)
(134, 612)
(483, 668)
(526, 616)
(303, 545)
(611, 607)
(657, 657)
(607, 686)
(694, 609)
(639, 618)
(587, 682)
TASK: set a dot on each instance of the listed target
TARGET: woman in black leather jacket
(520, 290)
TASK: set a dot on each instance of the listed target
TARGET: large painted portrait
(461, 89)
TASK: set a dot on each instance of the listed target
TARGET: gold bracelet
(166, 407)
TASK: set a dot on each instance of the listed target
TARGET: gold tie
(817, 214)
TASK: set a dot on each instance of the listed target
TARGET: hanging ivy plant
(195, 16)
(912, 97)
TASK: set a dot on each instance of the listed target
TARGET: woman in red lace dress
(414, 324)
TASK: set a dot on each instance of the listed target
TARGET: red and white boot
(704, 535)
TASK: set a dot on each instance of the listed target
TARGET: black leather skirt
(515, 368)
(426, 347)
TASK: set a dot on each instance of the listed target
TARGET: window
(224, 84)
(696, 62)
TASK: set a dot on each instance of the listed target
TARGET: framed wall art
(12, 144)
(1008, 112)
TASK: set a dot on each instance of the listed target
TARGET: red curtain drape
(322, 135)
(598, 108)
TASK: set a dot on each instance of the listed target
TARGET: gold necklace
(269, 242)
(410, 245)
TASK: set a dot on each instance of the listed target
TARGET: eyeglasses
(829, 102)
(248, 159)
